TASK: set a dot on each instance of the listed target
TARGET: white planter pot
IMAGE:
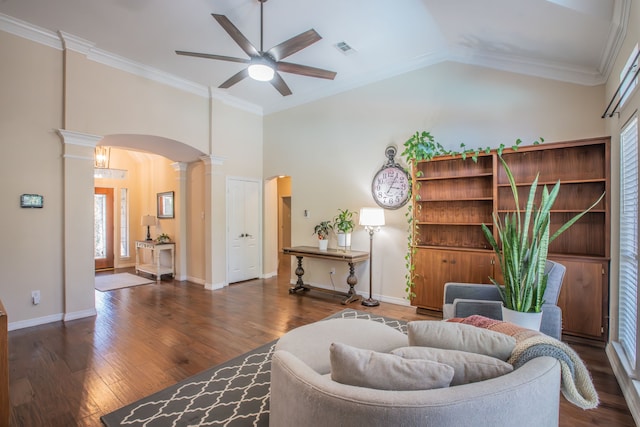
(344, 240)
(323, 244)
(526, 320)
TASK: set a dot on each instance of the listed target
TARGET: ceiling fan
(264, 66)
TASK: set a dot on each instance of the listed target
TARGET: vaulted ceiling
(568, 40)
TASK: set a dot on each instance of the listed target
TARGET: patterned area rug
(233, 394)
(109, 282)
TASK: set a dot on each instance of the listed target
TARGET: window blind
(628, 303)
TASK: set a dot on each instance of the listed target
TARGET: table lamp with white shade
(148, 221)
(372, 219)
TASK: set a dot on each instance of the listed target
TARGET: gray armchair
(466, 299)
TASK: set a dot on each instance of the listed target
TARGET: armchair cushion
(458, 336)
(384, 371)
(468, 367)
(467, 299)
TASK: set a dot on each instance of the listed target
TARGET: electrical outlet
(332, 271)
(35, 297)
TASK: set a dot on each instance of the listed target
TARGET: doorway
(244, 230)
(103, 228)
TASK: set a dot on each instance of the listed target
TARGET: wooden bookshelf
(453, 197)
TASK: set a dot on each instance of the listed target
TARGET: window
(628, 295)
(629, 83)
(100, 226)
(124, 223)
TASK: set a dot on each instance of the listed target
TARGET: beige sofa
(303, 393)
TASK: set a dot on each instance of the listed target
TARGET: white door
(244, 213)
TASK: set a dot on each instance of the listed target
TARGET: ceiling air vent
(345, 48)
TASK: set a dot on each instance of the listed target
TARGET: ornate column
(181, 220)
(214, 223)
(79, 275)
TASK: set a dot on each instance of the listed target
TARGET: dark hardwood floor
(149, 337)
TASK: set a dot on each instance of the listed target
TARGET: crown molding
(77, 44)
(27, 31)
(62, 40)
(79, 138)
(519, 65)
(213, 160)
(617, 33)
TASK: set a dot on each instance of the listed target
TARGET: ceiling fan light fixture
(261, 71)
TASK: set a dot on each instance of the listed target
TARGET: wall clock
(391, 185)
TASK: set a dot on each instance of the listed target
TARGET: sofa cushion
(384, 371)
(468, 367)
(458, 336)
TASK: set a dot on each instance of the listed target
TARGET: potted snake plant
(524, 237)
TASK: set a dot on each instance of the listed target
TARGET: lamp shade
(148, 220)
(372, 217)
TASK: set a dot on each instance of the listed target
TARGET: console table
(350, 257)
(156, 267)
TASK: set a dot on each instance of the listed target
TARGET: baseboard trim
(630, 388)
(80, 314)
(21, 324)
(196, 280)
(214, 286)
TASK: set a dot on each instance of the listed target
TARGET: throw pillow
(458, 336)
(468, 367)
(384, 371)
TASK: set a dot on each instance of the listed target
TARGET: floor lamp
(372, 219)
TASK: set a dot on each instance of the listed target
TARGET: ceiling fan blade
(304, 70)
(241, 75)
(279, 84)
(294, 44)
(236, 35)
(211, 56)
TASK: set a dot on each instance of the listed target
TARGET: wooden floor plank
(149, 337)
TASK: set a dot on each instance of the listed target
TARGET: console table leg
(352, 280)
(300, 283)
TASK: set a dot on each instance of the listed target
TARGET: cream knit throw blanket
(576, 385)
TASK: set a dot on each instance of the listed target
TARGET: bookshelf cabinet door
(434, 268)
(583, 298)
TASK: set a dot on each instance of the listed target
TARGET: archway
(78, 217)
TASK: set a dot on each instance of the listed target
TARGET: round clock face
(390, 187)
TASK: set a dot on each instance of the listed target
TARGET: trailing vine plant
(422, 146)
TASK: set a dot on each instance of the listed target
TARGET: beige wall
(30, 112)
(332, 148)
(45, 89)
(101, 100)
(237, 140)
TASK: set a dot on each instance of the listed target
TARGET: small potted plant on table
(322, 231)
(344, 224)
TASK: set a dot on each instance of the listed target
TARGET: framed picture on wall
(165, 205)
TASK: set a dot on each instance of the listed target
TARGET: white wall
(332, 148)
